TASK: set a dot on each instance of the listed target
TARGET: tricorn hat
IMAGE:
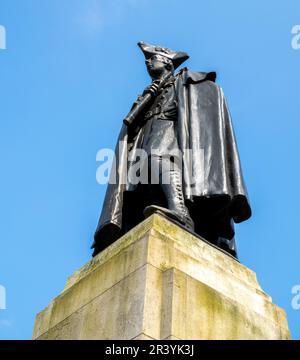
(177, 57)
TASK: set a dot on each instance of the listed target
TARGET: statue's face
(157, 65)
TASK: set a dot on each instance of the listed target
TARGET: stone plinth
(161, 282)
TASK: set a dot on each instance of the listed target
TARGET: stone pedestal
(161, 282)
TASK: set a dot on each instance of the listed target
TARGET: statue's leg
(171, 184)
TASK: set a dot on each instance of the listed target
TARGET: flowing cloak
(213, 185)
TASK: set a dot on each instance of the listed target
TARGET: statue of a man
(186, 134)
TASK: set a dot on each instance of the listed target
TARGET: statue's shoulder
(194, 77)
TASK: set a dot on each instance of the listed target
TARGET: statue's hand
(152, 89)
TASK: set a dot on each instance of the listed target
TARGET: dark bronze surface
(206, 194)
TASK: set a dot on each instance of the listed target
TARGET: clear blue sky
(68, 76)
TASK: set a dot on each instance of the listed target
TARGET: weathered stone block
(161, 282)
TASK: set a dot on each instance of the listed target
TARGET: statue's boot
(155, 209)
(177, 209)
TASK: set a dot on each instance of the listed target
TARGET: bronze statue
(182, 123)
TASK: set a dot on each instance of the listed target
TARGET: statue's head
(157, 65)
(159, 60)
